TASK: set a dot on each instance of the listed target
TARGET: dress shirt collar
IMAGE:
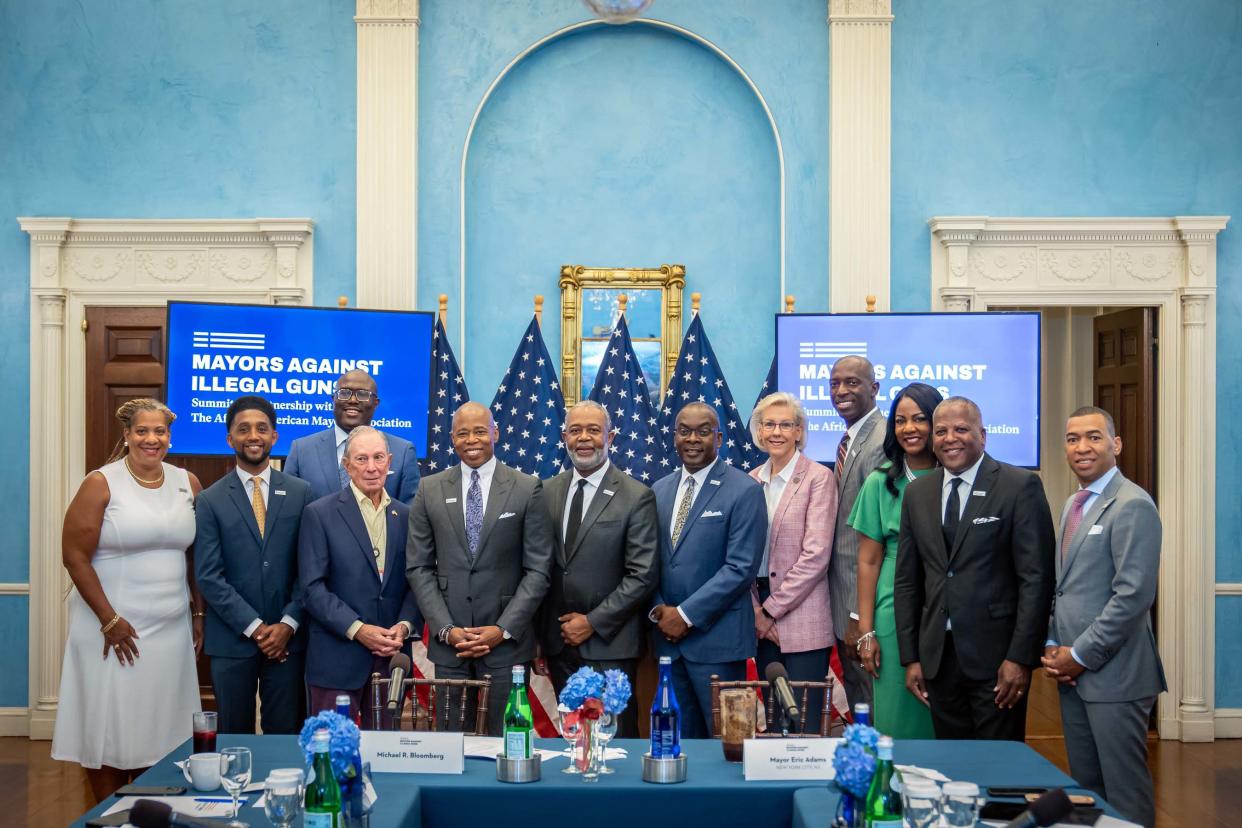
(1097, 486)
(265, 475)
(857, 426)
(594, 479)
(968, 476)
(361, 497)
(486, 471)
(700, 476)
(784, 475)
(341, 435)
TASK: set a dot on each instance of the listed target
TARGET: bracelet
(867, 636)
(198, 614)
(115, 620)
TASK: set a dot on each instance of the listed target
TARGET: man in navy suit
(318, 458)
(245, 561)
(713, 525)
(351, 558)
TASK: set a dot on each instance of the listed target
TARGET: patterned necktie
(1075, 518)
(341, 474)
(952, 513)
(575, 516)
(843, 450)
(683, 510)
(256, 503)
(474, 513)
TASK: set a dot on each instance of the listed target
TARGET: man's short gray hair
(362, 431)
(778, 398)
(593, 406)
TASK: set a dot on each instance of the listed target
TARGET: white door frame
(980, 262)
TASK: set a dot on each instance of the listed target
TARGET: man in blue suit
(713, 524)
(245, 561)
(351, 558)
(318, 458)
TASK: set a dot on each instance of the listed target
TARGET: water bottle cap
(666, 659)
(885, 741)
(342, 700)
(862, 707)
(519, 672)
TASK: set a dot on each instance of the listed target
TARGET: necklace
(158, 481)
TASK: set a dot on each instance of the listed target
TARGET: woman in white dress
(128, 686)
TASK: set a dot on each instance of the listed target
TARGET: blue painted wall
(164, 110)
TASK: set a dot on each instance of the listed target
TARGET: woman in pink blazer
(793, 613)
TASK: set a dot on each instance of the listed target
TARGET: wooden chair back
(431, 702)
(802, 691)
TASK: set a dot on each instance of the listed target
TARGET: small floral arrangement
(854, 759)
(617, 691)
(593, 694)
(343, 740)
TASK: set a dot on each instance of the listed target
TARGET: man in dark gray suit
(859, 453)
(245, 561)
(605, 569)
(479, 554)
(1100, 644)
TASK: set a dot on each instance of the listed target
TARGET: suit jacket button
(265, 564)
(949, 573)
(771, 575)
(565, 572)
(468, 599)
(1059, 593)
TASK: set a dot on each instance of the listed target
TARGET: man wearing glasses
(317, 458)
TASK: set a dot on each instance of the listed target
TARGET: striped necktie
(843, 451)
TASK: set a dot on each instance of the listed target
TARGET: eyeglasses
(362, 395)
(783, 425)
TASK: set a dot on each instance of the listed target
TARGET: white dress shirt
(857, 427)
(341, 437)
(265, 487)
(594, 481)
(773, 489)
(486, 472)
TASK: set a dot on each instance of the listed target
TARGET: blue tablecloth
(715, 793)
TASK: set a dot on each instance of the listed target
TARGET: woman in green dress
(877, 518)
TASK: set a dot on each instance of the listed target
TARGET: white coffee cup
(202, 770)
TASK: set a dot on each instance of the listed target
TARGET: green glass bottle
(519, 723)
(883, 801)
(323, 795)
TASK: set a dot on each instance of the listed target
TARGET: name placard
(413, 752)
(781, 759)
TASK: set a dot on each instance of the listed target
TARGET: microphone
(778, 680)
(1049, 809)
(398, 669)
(151, 813)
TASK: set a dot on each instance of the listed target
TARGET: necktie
(341, 474)
(1075, 518)
(474, 513)
(843, 450)
(952, 514)
(256, 503)
(575, 517)
(683, 510)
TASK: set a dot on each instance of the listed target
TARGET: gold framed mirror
(589, 309)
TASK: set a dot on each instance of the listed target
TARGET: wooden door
(1124, 379)
(124, 361)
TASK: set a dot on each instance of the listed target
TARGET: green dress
(877, 514)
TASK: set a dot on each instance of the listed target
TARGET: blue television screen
(992, 358)
(292, 356)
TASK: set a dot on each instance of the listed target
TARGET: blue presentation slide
(992, 358)
(292, 356)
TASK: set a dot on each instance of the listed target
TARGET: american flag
(529, 410)
(448, 392)
(621, 388)
(698, 378)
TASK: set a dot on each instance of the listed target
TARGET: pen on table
(213, 799)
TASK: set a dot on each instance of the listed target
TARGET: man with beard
(245, 560)
(319, 458)
(604, 522)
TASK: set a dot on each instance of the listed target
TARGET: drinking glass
(204, 729)
(920, 803)
(605, 729)
(570, 729)
(235, 765)
(737, 721)
(959, 804)
(282, 801)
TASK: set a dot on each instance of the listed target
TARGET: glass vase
(587, 753)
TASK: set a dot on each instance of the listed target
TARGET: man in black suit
(973, 583)
(245, 561)
(605, 569)
(480, 548)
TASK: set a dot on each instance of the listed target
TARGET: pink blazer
(799, 549)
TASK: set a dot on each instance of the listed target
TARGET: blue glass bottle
(862, 713)
(665, 716)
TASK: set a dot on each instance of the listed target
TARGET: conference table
(714, 794)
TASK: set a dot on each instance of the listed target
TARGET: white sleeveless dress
(131, 717)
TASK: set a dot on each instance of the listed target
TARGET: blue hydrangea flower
(854, 767)
(582, 685)
(343, 742)
(862, 735)
(617, 691)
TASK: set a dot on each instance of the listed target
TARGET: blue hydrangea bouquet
(343, 744)
(854, 761)
(588, 695)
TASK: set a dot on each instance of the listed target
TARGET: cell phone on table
(119, 818)
(1018, 791)
(150, 790)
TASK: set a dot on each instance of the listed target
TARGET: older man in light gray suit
(859, 453)
(1100, 644)
(478, 558)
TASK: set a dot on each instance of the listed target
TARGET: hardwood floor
(1197, 786)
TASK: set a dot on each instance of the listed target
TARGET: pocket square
(977, 521)
(507, 515)
(1097, 529)
(713, 514)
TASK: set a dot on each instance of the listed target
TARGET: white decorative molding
(1228, 723)
(14, 589)
(387, 162)
(1169, 264)
(1229, 589)
(14, 721)
(859, 158)
(130, 262)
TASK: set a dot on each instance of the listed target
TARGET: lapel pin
(394, 512)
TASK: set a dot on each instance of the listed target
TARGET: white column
(1196, 705)
(859, 129)
(387, 215)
